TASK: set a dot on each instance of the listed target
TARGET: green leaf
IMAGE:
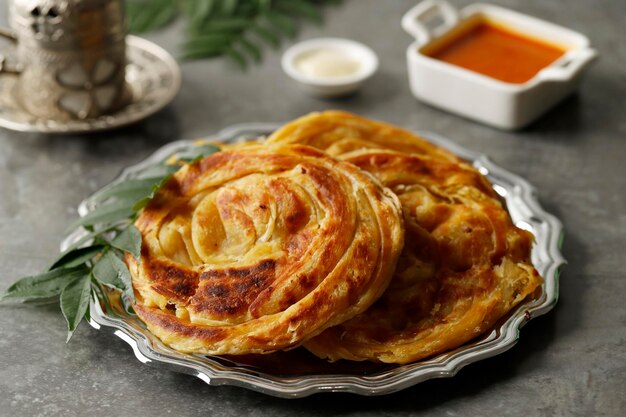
(232, 24)
(206, 149)
(138, 205)
(264, 5)
(75, 302)
(209, 41)
(228, 7)
(202, 51)
(250, 8)
(237, 58)
(300, 8)
(46, 285)
(195, 154)
(136, 188)
(161, 170)
(112, 271)
(188, 6)
(282, 22)
(267, 35)
(251, 49)
(145, 15)
(105, 272)
(141, 203)
(210, 23)
(199, 11)
(106, 214)
(76, 257)
(129, 240)
(163, 17)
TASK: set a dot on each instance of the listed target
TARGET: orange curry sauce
(491, 50)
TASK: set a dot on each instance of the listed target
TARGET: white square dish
(480, 97)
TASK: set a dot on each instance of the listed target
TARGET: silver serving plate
(152, 76)
(297, 373)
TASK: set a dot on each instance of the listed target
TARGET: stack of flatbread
(353, 238)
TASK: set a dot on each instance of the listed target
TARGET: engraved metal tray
(297, 373)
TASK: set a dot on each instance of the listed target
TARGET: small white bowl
(480, 97)
(336, 86)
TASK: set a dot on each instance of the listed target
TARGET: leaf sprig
(97, 258)
(234, 28)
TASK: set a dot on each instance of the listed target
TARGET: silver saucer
(297, 373)
(153, 77)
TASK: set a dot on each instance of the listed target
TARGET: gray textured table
(570, 362)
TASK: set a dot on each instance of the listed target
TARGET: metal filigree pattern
(47, 21)
(152, 79)
(62, 48)
(88, 93)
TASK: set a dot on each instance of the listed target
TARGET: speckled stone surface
(571, 362)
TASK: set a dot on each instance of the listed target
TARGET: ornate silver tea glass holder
(297, 374)
(153, 79)
(69, 67)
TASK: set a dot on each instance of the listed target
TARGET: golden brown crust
(338, 132)
(464, 265)
(258, 248)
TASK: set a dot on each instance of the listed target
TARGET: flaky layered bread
(464, 264)
(463, 267)
(260, 248)
(338, 132)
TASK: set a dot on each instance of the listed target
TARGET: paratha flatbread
(260, 248)
(464, 264)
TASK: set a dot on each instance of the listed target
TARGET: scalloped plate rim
(547, 259)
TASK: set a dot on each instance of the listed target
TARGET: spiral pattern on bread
(463, 267)
(258, 249)
(464, 264)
